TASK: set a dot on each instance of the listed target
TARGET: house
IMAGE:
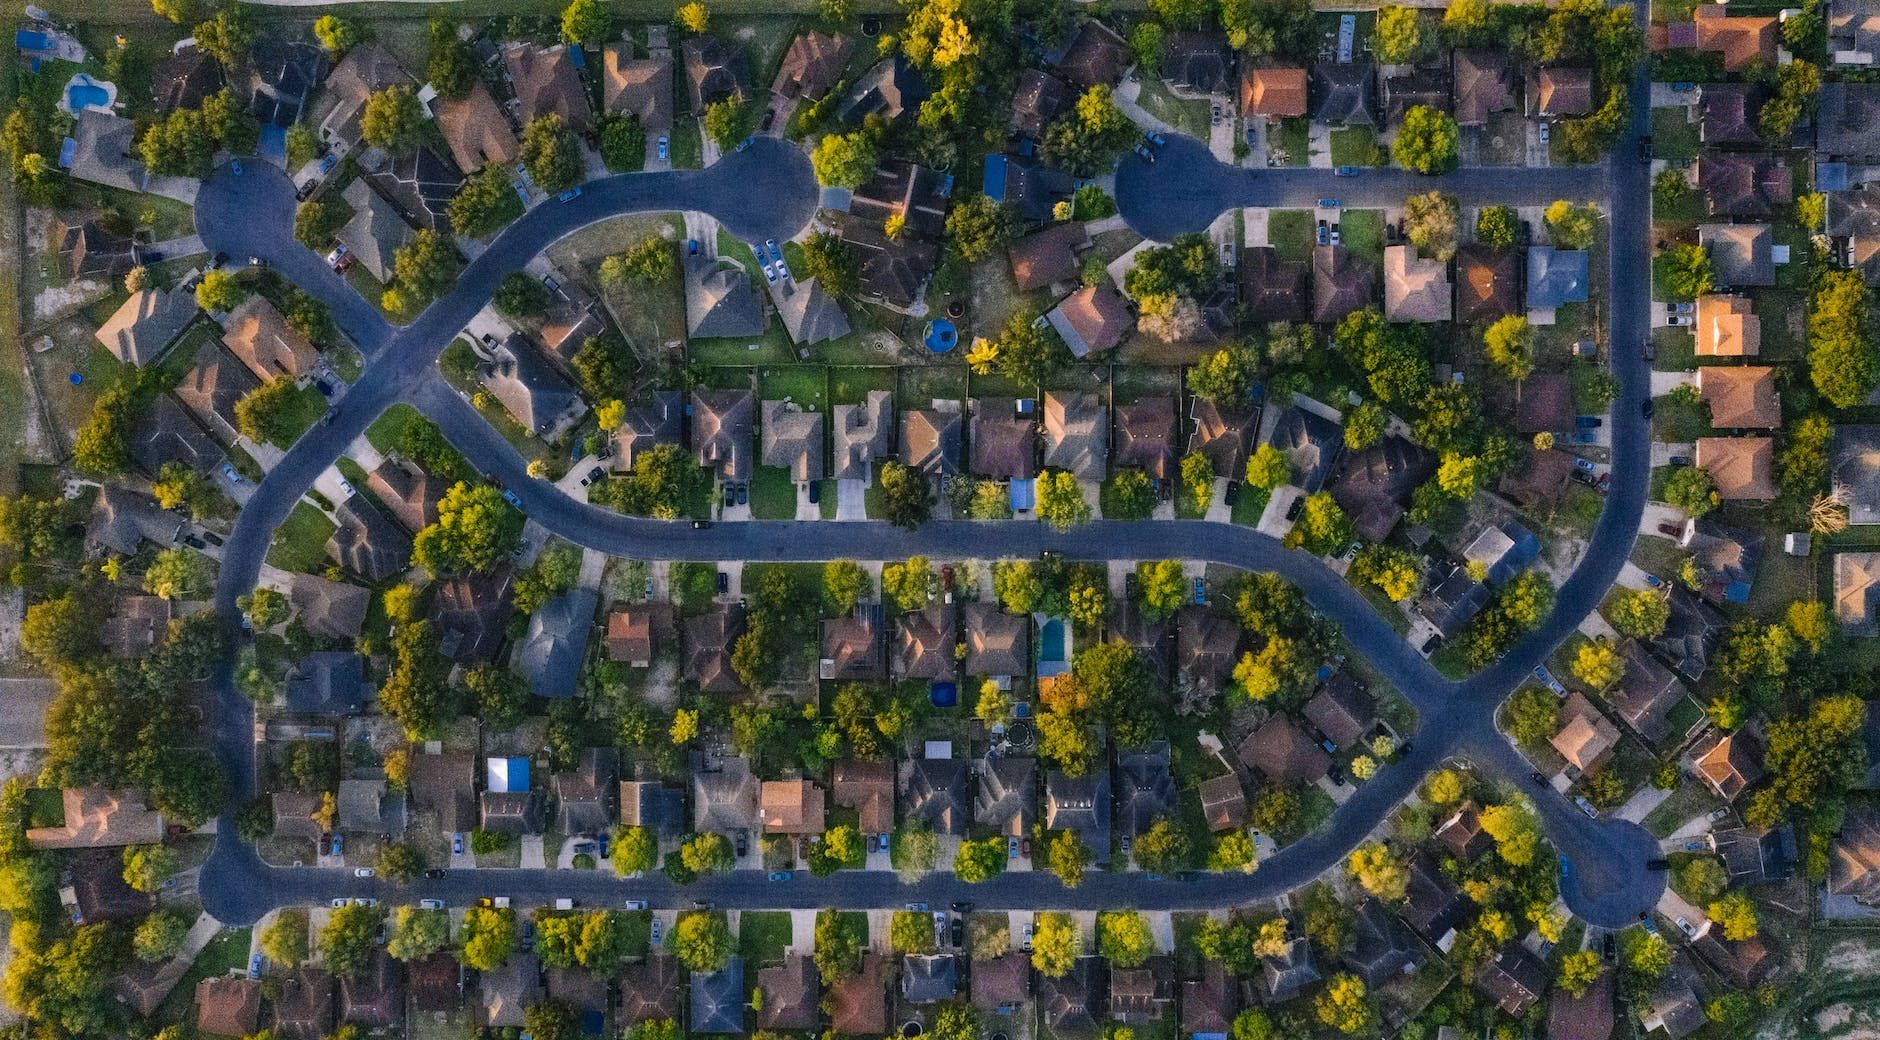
(547, 81)
(718, 999)
(933, 792)
(1076, 434)
(1206, 647)
(721, 432)
(1741, 253)
(791, 807)
(282, 76)
(927, 638)
(709, 638)
(865, 785)
(146, 324)
(929, 978)
(858, 1002)
(720, 300)
(212, 386)
(1503, 551)
(1380, 949)
(376, 230)
(1554, 91)
(1746, 964)
(1285, 974)
(1484, 85)
(475, 129)
(637, 87)
(88, 251)
(1092, 319)
(261, 337)
(1855, 454)
(793, 440)
(930, 440)
(1037, 101)
(1048, 257)
(1588, 1016)
(862, 435)
(228, 1006)
(1224, 432)
(1223, 802)
(1344, 93)
(1197, 64)
(1151, 638)
(1854, 864)
(1073, 1002)
(445, 784)
(435, 982)
(1002, 440)
(895, 270)
(1514, 980)
(1374, 486)
(1486, 282)
(1342, 710)
(1586, 739)
(852, 648)
(714, 71)
(304, 1008)
(1272, 289)
(1690, 635)
(1145, 788)
(1432, 906)
(1541, 479)
(328, 608)
(1743, 186)
(366, 542)
(122, 520)
(999, 984)
(363, 807)
(1741, 398)
(1026, 186)
(410, 493)
(509, 805)
(1742, 41)
(1856, 591)
(1080, 805)
(1853, 227)
(99, 893)
(1847, 119)
(997, 643)
(1645, 693)
(650, 989)
(101, 151)
(1555, 278)
(1210, 1003)
(1545, 404)
(1408, 87)
(1283, 753)
(1752, 857)
(812, 66)
(1278, 91)
(1743, 468)
(1676, 1004)
(532, 390)
(891, 88)
(724, 800)
(550, 654)
(582, 992)
(1414, 289)
(367, 69)
(792, 994)
(185, 78)
(659, 419)
(327, 682)
(1728, 762)
(470, 613)
(1727, 326)
(1341, 284)
(1144, 437)
(809, 314)
(167, 434)
(509, 988)
(1726, 114)
(655, 806)
(97, 818)
(1853, 32)
(1455, 599)
(1312, 444)
(1007, 794)
(1097, 56)
(421, 183)
(1727, 558)
(135, 625)
(1145, 993)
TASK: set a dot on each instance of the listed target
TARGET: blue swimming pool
(941, 336)
(1051, 640)
(85, 95)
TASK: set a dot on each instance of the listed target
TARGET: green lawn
(225, 953)
(389, 428)
(300, 542)
(1290, 233)
(1679, 422)
(1362, 232)
(458, 362)
(1294, 138)
(763, 935)
(1251, 503)
(1191, 117)
(303, 408)
(1355, 146)
(773, 494)
(851, 385)
(688, 149)
(1673, 350)
(805, 385)
(1674, 137)
(1689, 801)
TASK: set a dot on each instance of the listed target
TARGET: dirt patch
(1852, 957)
(59, 300)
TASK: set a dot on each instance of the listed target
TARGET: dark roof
(184, 79)
(709, 638)
(1311, 442)
(1273, 289)
(1225, 433)
(327, 682)
(366, 542)
(927, 978)
(812, 65)
(1145, 788)
(1848, 120)
(470, 613)
(547, 82)
(1343, 92)
(89, 251)
(1380, 948)
(1080, 804)
(650, 989)
(1545, 404)
(166, 433)
(1145, 992)
(1283, 975)
(1210, 1003)
(530, 388)
(410, 493)
(436, 982)
(1514, 980)
(852, 647)
(446, 784)
(228, 1006)
(1047, 257)
(1341, 284)
(714, 71)
(513, 812)
(1487, 282)
(1484, 84)
(1279, 749)
(1074, 1001)
(1374, 485)
(858, 1001)
(304, 1010)
(282, 75)
(890, 88)
(1342, 710)
(550, 654)
(792, 992)
(1001, 981)
(1144, 434)
(1585, 1017)
(1039, 99)
(1432, 906)
(1742, 185)
(587, 794)
(1645, 693)
(99, 888)
(375, 998)
(1006, 795)
(1002, 441)
(212, 386)
(1198, 62)
(1206, 647)
(933, 792)
(926, 641)
(1096, 55)
(1689, 635)
(1423, 85)
(1726, 113)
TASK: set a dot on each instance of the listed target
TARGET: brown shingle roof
(546, 82)
(228, 1006)
(1727, 326)
(1049, 256)
(1279, 749)
(639, 87)
(259, 335)
(1741, 467)
(476, 130)
(1486, 282)
(1741, 398)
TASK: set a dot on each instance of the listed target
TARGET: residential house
(1545, 404)
(811, 67)
(927, 639)
(1002, 440)
(1342, 710)
(933, 792)
(1144, 437)
(1207, 647)
(185, 78)
(891, 88)
(791, 807)
(858, 1002)
(509, 803)
(1645, 693)
(1344, 93)
(1751, 857)
(86, 250)
(1076, 434)
(1048, 257)
(475, 129)
(1282, 752)
(721, 432)
(1690, 635)
(863, 435)
(144, 325)
(1588, 1016)
(1380, 948)
(436, 983)
(1197, 64)
(658, 807)
(327, 682)
(1073, 1002)
(1037, 102)
(531, 389)
(1847, 120)
(1676, 1004)
(1853, 32)
(929, 978)
(1284, 975)
(1746, 964)
(1727, 762)
(865, 785)
(1414, 289)
(793, 440)
(720, 301)
(367, 543)
(547, 81)
(1743, 186)
(1727, 326)
(1855, 457)
(1007, 794)
(410, 493)
(1272, 289)
(445, 784)
(1487, 282)
(1853, 229)
(101, 151)
(709, 638)
(714, 71)
(1145, 788)
(135, 625)
(1080, 805)
(1145, 993)
(1432, 906)
(1743, 468)
(364, 807)
(1484, 85)
(1743, 41)
(375, 232)
(997, 643)
(1278, 91)
(167, 434)
(1854, 863)
(852, 648)
(999, 984)
(1092, 319)
(328, 608)
(212, 386)
(1514, 980)
(1541, 479)
(587, 795)
(508, 988)
(792, 994)
(1097, 56)
(1555, 278)
(1407, 87)
(809, 314)
(724, 799)
(1225, 433)
(304, 1008)
(1151, 638)
(1726, 114)
(100, 895)
(1462, 834)
(1742, 398)
(637, 87)
(1341, 284)
(96, 817)
(1374, 486)
(1223, 802)
(470, 613)
(228, 1006)
(1454, 600)
(1587, 738)
(1856, 591)
(659, 419)
(367, 69)
(1026, 186)
(1742, 254)
(261, 337)
(1311, 442)
(718, 999)
(1210, 1003)
(650, 989)
(1560, 90)
(895, 270)
(282, 75)
(122, 520)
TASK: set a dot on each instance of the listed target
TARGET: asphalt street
(769, 192)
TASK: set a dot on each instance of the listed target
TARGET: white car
(362, 872)
(430, 904)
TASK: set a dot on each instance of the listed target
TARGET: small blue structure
(507, 775)
(941, 336)
(943, 694)
(1053, 647)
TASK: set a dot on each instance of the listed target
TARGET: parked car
(1646, 408)
(662, 147)
(456, 844)
(509, 496)
(691, 247)
(1588, 422)
(1345, 171)
(724, 586)
(569, 196)
(815, 491)
(339, 845)
(1678, 320)
(430, 904)
(655, 935)
(1544, 133)
(362, 872)
(254, 966)
(700, 525)
(1328, 203)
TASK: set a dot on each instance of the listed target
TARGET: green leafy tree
(906, 497)
(1379, 871)
(427, 265)
(1638, 613)
(1572, 227)
(159, 936)
(1398, 35)
(177, 573)
(1686, 272)
(475, 530)
(485, 204)
(228, 121)
(1843, 359)
(1516, 830)
(1344, 1005)
(978, 227)
(394, 119)
(727, 122)
(1268, 467)
(400, 861)
(1068, 856)
(1579, 970)
(489, 935)
(1161, 588)
(218, 291)
(1735, 914)
(977, 861)
(1027, 353)
(587, 23)
(1364, 426)
(844, 160)
(838, 946)
(1532, 715)
(1597, 665)
(707, 854)
(1691, 489)
(1394, 571)
(347, 941)
(178, 146)
(1129, 495)
(101, 448)
(1088, 140)
(337, 35)
(417, 933)
(1426, 141)
(1124, 938)
(450, 63)
(1322, 528)
(228, 36)
(1510, 345)
(1224, 375)
(1060, 501)
(284, 940)
(1055, 945)
(520, 295)
(550, 154)
(1163, 848)
(636, 851)
(1429, 219)
(266, 413)
(1497, 226)
(1643, 958)
(910, 931)
(147, 867)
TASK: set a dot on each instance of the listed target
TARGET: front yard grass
(303, 408)
(1677, 421)
(1362, 231)
(773, 494)
(1289, 232)
(1356, 146)
(1191, 117)
(225, 953)
(1674, 136)
(1294, 138)
(1686, 803)
(300, 542)
(763, 935)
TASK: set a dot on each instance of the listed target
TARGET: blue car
(456, 844)
(339, 845)
(511, 498)
(327, 164)
(1201, 591)
(570, 195)
(254, 966)
(775, 253)
(782, 875)
(1345, 171)
(1328, 203)
(662, 147)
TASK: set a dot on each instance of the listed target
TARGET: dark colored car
(1646, 408)
(724, 583)
(700, 525)
(815, 491)
(1539, 780)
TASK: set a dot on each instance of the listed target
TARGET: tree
(1019, 585)
(636, 850)
(347, 941)
(488, 935)
(1579, 970)
(1532, 716)
(910, 931)
(1516, 830)
(1161, 587)
(1061, 501)
(226, 119)
(1054, 944)
(417, 691)
(1129, 495)
(977, 861)
(1643, 956)
(177, 573)
(393, 119)
(520, 295)
(707, 854)
(1398, 35)
(485, 204)
(61, 632)
(336, 34)
(1270, 27)
(1268, 468)
(1088, 140)
(1322, 528)
(1798, 85)
(1343, 1004)
(218, 291)
(1028, 353)
(1251, 1024)
(1067, 856)
(1638, 613)
(1572, 227)
(906, 497)
(147, 867)
(1497, 226)
(284, 940)
(1426, 141)
(978, 227)
(159, 936)
(1234, 850)
(845, 584)
(426, 265)
(1123, 937)
(1510, 345)
(1183, 14)
(180, 145)
(1379, 871)
(908, 583)
(1685, 271)
(228, 36)
(1163, 848)
(1843, 360)
(1597, 665)
(1735, 914)
(399, 861)
(1394, 571)
(833, 263)
(475, 530)
(1429, 219)
(694, 17)
(417, 933)
(652, 261)
(101, 448)
(1691, 489)
(587, 23)
(451, 63)
(266, 412)
(727, 122)
(550, 154)
(1224, 375)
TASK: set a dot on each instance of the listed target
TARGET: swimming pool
(941, 336)
(1053, 647)
(83, 92)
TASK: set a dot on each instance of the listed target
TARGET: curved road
(769, 192)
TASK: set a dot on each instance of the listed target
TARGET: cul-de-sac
(967, 519)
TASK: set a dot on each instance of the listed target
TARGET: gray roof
(1342, 92)
(328, 608)
(1312, 444)
(587, 794)
(550, 654)
(530, 388)
(1856, 455)
(166, 433)
(147, 322)
(368, 543)
(1848, 121)
(725, 799)
(809, 314)
(721, 431)
(507, 989)
(718, 999)
(1741, 253)
(720, 299)
(928, 978)
(1007, 797)
(930, 440)
(122, 519)
(213, 384)
(327, 682)
(862, 434)
(660, 419)
(1080, 805)
(933, 792)
(1555, 277)
(376, 229)
(793, 440)
(1076, 434)
(1145, 788)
